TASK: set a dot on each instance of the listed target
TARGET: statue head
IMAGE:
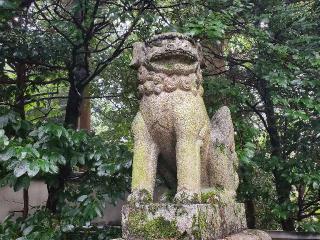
(169, 53)
(168, 62)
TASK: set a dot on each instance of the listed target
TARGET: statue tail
(222, 161)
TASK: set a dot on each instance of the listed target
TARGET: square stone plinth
(176, 221)
(248, 234)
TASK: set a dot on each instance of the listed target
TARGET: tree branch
(253, 107)
(66, 97)
(102, 65)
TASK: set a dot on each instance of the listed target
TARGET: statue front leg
(188, 169)
(144, 162)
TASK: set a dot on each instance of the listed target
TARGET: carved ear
(138, 54)
(200, 55)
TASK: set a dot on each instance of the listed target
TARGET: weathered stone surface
(244, 235)
(249, 234)
(174, 137)
(223, 164)
(173, 123)
(176, 221)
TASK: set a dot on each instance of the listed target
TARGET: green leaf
(22, 238)
(7, 155)
(82, 198)
(43, 164)
(27, 230)
(59, 132)
(35, 152)
(54, 168)
(7, 118)
(67, 228)
(81, 159)
(61, 159)
(20, 169)
(33, 169)
(98, 211)
(315, 185)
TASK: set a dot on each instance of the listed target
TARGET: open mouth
(173, 62)
(177, 56)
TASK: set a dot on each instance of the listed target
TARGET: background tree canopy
(262, 60)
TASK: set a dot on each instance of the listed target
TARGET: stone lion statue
(173, 134)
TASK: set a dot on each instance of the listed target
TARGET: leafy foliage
(40, 154)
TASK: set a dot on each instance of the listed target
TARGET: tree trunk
(21, 87)
(25, 203)
(283, 187)
(55, 191)
(21, 80)
(250, 213)
(85, 111)
(73, 107)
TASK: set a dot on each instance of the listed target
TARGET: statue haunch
(172, 131)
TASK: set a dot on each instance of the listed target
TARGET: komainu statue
(172, 130)
(175, 139)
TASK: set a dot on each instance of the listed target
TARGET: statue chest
(159, 83)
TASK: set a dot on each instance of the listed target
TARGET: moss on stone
(157, 228)
(213, 196)
(199, 225)
(221, 147)
(147, 197)
(169, 65)
(141, 171)
(153, 208)
(208, 197)
(186, 198)
(142, 196)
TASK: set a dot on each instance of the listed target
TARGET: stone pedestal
(249, 234)
(175, 221)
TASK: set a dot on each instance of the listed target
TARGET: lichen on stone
(156, 228)
(193, 221)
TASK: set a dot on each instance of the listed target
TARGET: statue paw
(140, 196)
(187, 197)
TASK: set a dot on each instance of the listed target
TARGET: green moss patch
(199, 225)
(157, 228)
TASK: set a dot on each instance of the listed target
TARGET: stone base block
(249, 234)
(176, 221)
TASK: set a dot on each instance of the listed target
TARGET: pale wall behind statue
(11, 201)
